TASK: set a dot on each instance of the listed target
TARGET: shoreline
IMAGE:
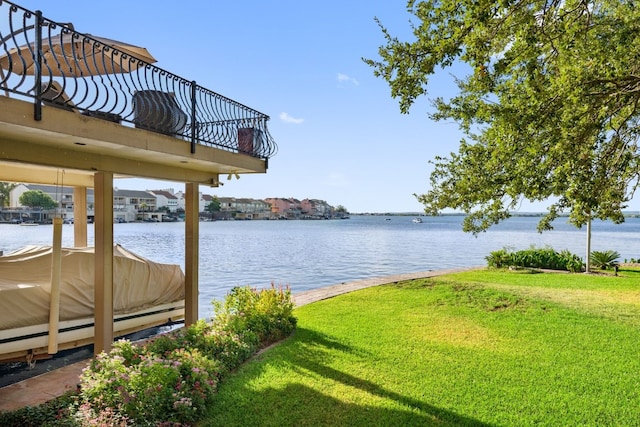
(62, 378)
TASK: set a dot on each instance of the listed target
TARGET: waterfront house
(165, 199)
(316, 209)
(133, 205)
(128, 205)
(63, 196)
(243, 208)
(285, 208)
(77, 111)
(203, 201)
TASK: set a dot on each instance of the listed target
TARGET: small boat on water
(145, 294)
(417, 220)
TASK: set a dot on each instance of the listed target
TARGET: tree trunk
(588, 257)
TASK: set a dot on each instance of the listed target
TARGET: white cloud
(345, 78)
(285, 117)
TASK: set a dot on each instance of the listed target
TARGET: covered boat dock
(81, 111)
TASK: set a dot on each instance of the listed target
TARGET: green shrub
(229, 348)
(604, 259)
(267, 313)
(546, 258)
(573, 262)
(499, 259)
(171, 379)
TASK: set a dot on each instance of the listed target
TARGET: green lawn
(476, 348)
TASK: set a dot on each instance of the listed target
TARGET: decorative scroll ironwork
(53, 64)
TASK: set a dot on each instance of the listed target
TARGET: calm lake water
(312, 254)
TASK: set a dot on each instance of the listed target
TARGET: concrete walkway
(313, 295)
(42, 388)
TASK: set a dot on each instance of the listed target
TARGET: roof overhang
(37, 151)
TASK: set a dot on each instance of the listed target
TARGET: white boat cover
(25, 284)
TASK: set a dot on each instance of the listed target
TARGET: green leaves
(37, 199)
(5, 192)
(546, 258)
(604, 259)
(549, 106)
(172, 378)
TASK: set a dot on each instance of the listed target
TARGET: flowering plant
(170, 379)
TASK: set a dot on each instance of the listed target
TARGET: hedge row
(546, 258)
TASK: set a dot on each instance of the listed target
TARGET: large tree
(214, 205)
(549, 104)
(37, 199)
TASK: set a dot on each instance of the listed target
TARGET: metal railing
(57, 66)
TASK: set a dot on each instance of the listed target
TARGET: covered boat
(145, 294)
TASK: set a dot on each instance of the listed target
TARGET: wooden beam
(62, 158)
(103, 293)
(79, 217)
(191, 253)
(24, 172)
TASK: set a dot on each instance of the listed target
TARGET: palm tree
(5, 193)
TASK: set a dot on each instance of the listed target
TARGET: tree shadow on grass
(310, 407)
(299, 405)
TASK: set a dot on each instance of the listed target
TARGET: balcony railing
(54, 64)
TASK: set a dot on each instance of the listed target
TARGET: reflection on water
(311, 254)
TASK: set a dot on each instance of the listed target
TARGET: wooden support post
(103, 293)
(79, 217)
(54, 296)
(191, 252)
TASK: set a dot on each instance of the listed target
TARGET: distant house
(165, 198)
(243, 208)
(128, 205)
(204, 200)
(62, 195)
(207, 199)
(132, 205)
(285, 208)
(135, 205)
(314, 208)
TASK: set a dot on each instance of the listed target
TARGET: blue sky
(340, 135)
